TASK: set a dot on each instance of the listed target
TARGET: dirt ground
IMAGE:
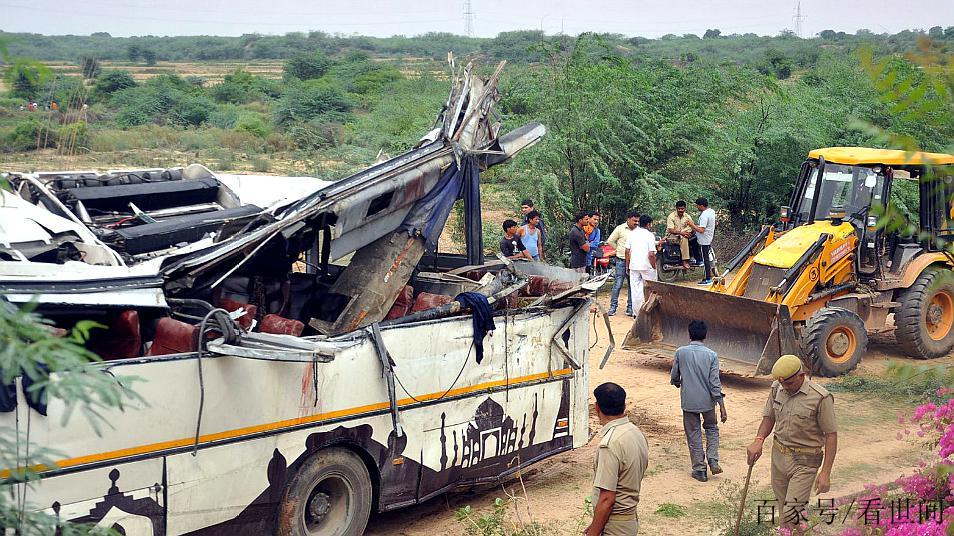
(868, 452)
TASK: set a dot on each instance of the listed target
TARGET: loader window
(846, 186)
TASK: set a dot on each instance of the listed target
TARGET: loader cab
(825, 185)
(899, 202)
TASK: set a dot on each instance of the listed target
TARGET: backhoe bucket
(752, 334)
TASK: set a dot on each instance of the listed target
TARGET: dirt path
(869, 452)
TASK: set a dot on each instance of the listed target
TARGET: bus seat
(174, 337)
(279, 325)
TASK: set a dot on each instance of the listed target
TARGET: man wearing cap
(802, 413)
(621, 461)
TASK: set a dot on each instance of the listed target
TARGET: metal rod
(830, 291)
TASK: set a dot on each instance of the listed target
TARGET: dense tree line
(520, 46)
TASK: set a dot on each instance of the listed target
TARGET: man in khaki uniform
(803, 416)
(621, 461)
(679, 226)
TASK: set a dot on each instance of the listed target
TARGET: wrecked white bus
(306, 358)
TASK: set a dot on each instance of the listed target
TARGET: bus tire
(329, 495)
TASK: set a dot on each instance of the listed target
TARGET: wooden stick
(745, 491)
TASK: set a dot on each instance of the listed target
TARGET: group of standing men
(636, 246)
(634, 243)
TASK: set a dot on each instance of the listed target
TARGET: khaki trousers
(627, 527)
(683, 246)
(793, 476)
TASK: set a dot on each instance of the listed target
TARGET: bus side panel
(481, 440)
(236, 488)
(130, 496)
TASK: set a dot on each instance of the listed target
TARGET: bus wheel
(330, 495)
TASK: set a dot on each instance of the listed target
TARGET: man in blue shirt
(695, 371)
(593, 236)
(526, 206)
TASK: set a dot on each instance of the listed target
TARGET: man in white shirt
(641, 260)
(704, 233)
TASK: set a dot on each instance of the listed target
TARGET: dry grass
(212, 71)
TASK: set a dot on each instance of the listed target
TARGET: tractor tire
(924, 321)
(835, 340)
(329, 495)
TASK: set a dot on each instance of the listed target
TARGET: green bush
(253, 124)
(306, 66)
(111, 82)
(10, 102)
(75, 136)
(312, 100)
(240, 87)
(314, 135)
(30, 134)
(192, 110)
(162, 100)
(224, 116)
(142, 105)
(365, 77)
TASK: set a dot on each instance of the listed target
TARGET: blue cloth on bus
(483, 317)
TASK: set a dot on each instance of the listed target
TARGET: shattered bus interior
(151, 253)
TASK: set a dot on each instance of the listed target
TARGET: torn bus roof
(332, 256)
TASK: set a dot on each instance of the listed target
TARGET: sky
(385, 18)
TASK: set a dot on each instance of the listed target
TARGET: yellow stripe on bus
(277, 425)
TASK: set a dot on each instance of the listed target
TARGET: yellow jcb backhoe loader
(815, 284)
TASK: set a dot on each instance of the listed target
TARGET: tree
(936, 32)
(777, 63)
(25, 77)
(712, 34)
(306, 66)
(149, 56)
(613, 131)
(827, 34)
(133, 52)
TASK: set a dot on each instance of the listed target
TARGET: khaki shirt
(673, 221)
(802, 419)
(619, 239)
(621, 461)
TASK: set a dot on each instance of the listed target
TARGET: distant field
(214, 71)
